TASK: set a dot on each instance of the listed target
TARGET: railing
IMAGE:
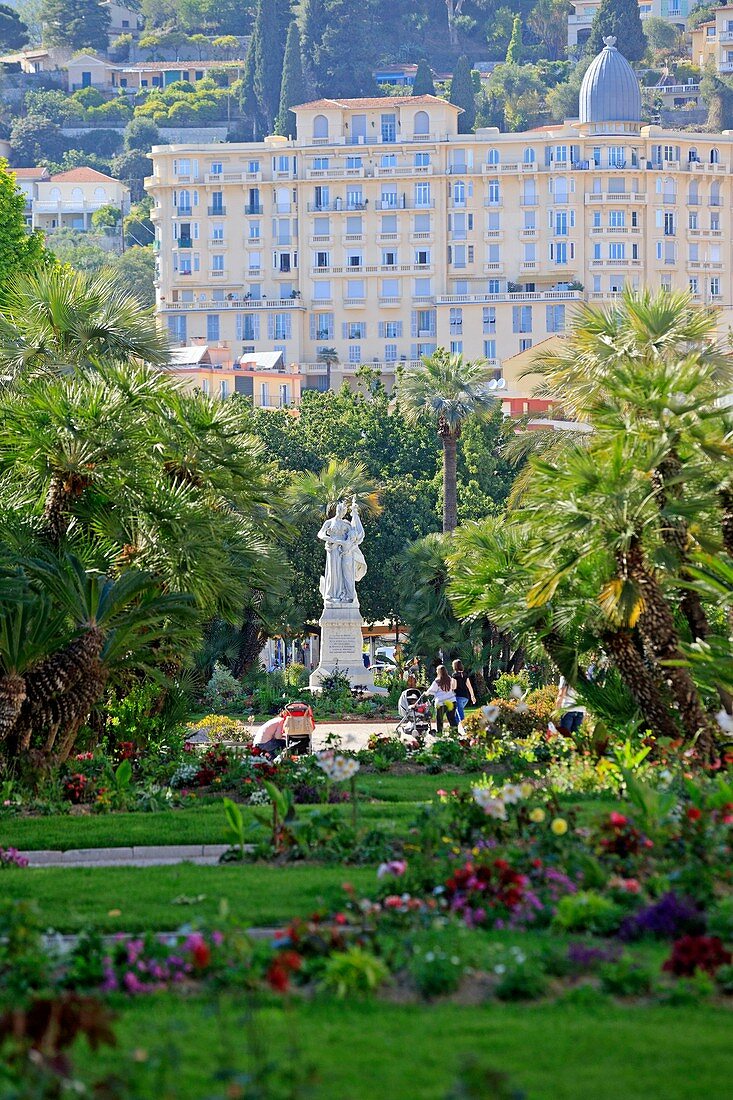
(514, 296)
(216, 211)
(253, 208)
(237, 301)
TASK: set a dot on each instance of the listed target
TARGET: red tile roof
(376, 102)
(30, 173)
(82, 175)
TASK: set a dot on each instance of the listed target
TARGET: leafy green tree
(548, 21)
(462, 95)
(81, 250)
(33, 139)
(106, 217)
(141, 134)
(134, 272)
(660, 34)
(227, 45)
(620, 19)
(449, 391)
(19, 251)
(77, 24)
(522, 93)
(138, 227)
(349, 49)
(292, 91)
(515, 49)
(57, 317)
(133, 169)
(119, 50)
(13, 31)
(423, 83)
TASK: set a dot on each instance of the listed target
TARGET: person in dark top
(463, 689)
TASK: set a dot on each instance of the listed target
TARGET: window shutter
(399, 329)
(413, 351)
(270, 326)
(413, 324)
(313, 326)
(238, 326)
(195, 198)
(382, 332)
(548, 156)
(575, 154)
(344, 330)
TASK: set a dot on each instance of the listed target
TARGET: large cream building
(382, 233)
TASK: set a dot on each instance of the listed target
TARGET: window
(255, 261)
(320, 127)
(529, 252)
(253, 167)
(492, 286)
(354, 288)
(422, 123)
(322, 293)
(354, 197)
(616, 251)
(320, 164)
(390, 288)
(422, 194)
(715, 156)
(248, 326)
(492, 156)
(355, 353)
(181, 167)
(422, 288)
(212, 328)
(694, 254)
(389, 197)
(420, 223)
(456, 347)
(459, 193)
(217, 202)
(525, 345)
(321, 326)
(323, 259)
(489, 349)
(280, 325)
(224, 389)
(422, 257)
(489, 319)
(389, 257)
(555, 318)
(456, 320)
(389, 128)
(217, 263)
(494, 192)
(354, 258)
(616, 157)
(669, 230)
(521, 318)
(355, 330)
(714, 286)
(217, 232)
(388, 160)
(392, 329)
(617, 219)
(422, 160)
(423, 322)
(390, 353)
(694, 285)
(354, 162)
(177, 328)
(596, 251)
(216, 168)
(528, 157)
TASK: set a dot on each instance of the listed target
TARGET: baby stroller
(298, 728)
(414, 708)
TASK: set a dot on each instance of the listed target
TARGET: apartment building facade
(581, 18)
(381, 233)
(712, 42)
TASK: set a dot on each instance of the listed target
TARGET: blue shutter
(313, 326)
(382, 330)
(270, 326)
(288, 327)
(399, 328)
(413, 324)
(344, 331)
(433, 315)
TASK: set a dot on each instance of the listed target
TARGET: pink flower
(393, 867)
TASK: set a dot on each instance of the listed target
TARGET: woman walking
(445, 699)
(463, 689)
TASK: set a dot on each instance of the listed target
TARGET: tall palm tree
(317, 494)
(57, 318)
(329, 356)
(448, 389)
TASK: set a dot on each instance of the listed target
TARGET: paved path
(354, 735)
(154, 855)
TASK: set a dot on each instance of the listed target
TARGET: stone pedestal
(342, 647)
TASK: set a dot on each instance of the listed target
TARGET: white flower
(491, 804)
(725, 721)
(552, 728)
(490, 713)
(521, 707)
(517, 692)
(511, 793)
(337, 767)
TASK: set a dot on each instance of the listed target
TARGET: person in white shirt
(572, 712)
(445, 699)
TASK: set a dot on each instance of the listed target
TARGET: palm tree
(329, 356)
(449, 390)
(316, 495)
(57, 318)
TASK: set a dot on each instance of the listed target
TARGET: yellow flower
(526, 789)
(537, 815)
(559, 826)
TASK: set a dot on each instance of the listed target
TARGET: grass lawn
(73, 898)
(363, 1050)
(202, 824)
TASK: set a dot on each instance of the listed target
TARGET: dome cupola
(610, 92)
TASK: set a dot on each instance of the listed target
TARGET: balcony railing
(216, 211)
(253, 208)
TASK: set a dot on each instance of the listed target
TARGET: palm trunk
(450, 465)
(676, 535)
(54, 511)
(250, 638)
(726, 501)
(641, 683)
(656, 624)
(12, 697)
(76, 708)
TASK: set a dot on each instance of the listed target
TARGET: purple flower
(668, 918)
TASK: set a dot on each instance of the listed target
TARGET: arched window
(184, 200)
(529, 155)
(55, 193)
(493, 157)
(100, 195)
(422, 123)
(692, 155)
(320, 126)
(494, 193)
(459, 193)
(715, 156)
(77, 194)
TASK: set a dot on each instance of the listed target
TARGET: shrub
(348, 973)
(667, 918)
(524, 981)
(587, 911)
(219, 727)
(296, 676)
(720, 921)
(435, 972)
(625, 978)
(691, 953)
(506, 681)
(223, 690)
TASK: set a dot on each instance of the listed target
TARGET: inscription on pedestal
(341, 643)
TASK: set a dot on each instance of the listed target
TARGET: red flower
(691, 953)
(201, 955)
(339, 919)
(278, 977)
(617, 820)
(693, 813)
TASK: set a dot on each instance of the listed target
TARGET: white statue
(345, 564)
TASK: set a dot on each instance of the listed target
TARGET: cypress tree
(619, 18)
(268, 38)
(348, 49)
(292, 89)
(514, 49)
(461, 94)
(248, 99)
(423, 83)
(314, 23)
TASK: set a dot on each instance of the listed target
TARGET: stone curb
(139, 856)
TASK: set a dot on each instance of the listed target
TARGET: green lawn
(364, 1050)
(72, 898)
(202, 824)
